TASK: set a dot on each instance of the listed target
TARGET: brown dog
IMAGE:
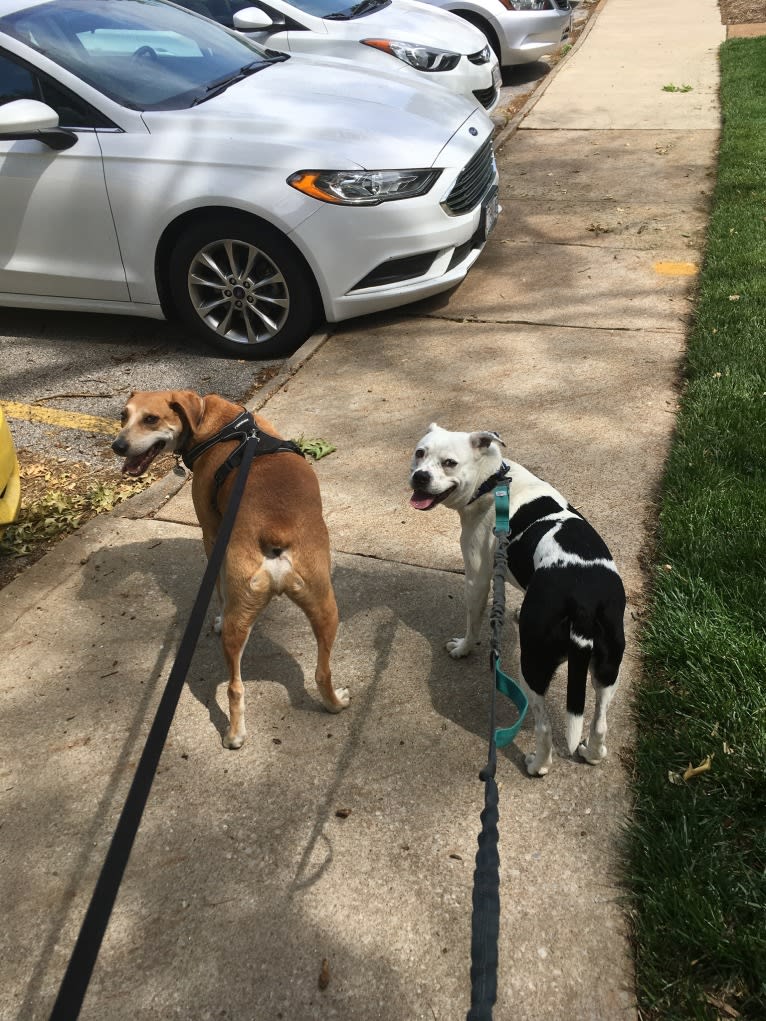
(279, 543)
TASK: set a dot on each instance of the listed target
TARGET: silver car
(519, 31)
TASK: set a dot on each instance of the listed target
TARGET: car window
(145, 54)
(18, 81)
(221, 11)
(120, 42)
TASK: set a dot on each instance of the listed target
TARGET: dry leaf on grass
(721, 1005)
(703, 767)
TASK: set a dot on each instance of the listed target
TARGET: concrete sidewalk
(566, 338)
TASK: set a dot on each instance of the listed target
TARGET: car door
(57, 236)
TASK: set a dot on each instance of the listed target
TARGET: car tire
(242, 287)
(486, 28)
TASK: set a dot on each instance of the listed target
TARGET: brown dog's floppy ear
(483, 440)
(189, 407)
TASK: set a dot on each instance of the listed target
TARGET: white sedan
(154, 163)
(519, 31)
(388, 35)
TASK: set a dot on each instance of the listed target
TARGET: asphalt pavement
(343, 846)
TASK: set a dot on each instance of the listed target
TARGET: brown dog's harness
(242, 429)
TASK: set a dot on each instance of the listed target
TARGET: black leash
(78, 973)
(485, 921)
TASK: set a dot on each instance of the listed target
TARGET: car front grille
(486, 96)
(472, 182)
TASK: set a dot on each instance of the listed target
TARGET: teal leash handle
(485, 921)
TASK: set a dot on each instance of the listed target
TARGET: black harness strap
(74, 984)
(242, 429)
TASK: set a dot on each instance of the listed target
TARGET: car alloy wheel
(242, 287)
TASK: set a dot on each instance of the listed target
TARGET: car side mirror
(30, 119)
(252, 19)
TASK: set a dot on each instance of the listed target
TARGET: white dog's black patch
(574, 598)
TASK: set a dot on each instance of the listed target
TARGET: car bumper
(399, 252)
(480, 82)
(525, 36)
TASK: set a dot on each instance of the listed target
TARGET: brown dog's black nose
(420, 479)
(120, 446)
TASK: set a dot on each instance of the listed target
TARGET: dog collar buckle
(501, 475)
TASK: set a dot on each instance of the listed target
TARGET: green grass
(696, 849)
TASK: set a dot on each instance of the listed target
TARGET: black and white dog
(574, 598)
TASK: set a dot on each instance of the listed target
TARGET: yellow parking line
(63, 419)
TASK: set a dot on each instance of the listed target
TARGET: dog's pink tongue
(421, 502)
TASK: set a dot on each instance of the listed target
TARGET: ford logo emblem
(473, 131)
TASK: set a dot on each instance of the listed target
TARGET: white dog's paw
(537, 767)
(592, 757)
(218, 623)
(458, 647)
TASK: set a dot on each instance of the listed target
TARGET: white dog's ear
(431, 427)
(483, 440)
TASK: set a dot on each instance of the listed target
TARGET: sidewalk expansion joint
(470, 321)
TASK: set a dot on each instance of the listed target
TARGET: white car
(387, 35)
(154, 163)
(519, 31)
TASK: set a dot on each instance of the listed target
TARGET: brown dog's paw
(342, 696)
(233, 741)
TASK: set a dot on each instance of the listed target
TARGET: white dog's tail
(580, 650)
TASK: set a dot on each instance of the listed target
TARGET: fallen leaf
(316, 448)
(324, 975)
(703, 767)
(721, 1005)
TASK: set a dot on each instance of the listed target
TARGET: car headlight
(363, 187)
(527, 5)
(422, 58)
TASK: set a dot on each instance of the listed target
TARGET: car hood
(328, 114)
(412, 22)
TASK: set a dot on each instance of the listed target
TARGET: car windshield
(339, 10)
(145, 54)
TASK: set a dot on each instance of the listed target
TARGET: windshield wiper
(216, 88)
